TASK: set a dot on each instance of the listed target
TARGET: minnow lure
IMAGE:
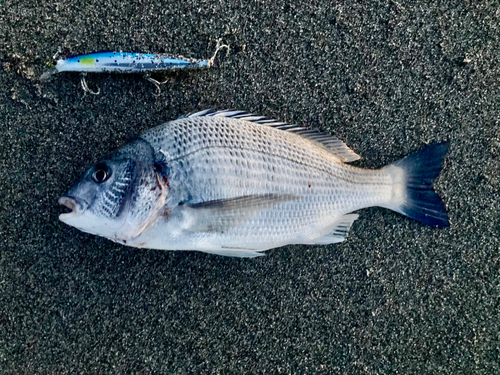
(125, 62)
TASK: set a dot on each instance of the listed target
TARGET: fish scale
(223, 157)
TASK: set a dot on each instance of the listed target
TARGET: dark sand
(395, 298)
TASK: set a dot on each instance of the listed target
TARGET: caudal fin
(419, 200)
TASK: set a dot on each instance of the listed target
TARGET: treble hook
(85, 87)
(156, 83)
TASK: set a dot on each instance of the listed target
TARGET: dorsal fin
(335, 145)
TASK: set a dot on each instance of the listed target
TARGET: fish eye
(101, 173)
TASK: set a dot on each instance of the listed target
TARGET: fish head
(118, 197)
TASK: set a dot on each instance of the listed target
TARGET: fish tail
(413, 194)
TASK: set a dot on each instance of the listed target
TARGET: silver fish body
(236, 184)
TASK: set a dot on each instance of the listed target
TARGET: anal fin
(339, 231)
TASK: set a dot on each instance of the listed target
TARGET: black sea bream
(236, 184)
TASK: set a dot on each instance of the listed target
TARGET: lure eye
(101, 173)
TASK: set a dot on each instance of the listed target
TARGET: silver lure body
(125, 62)
(235, 184)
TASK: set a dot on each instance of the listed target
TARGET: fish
(237, 184)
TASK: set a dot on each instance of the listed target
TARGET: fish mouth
(73, 204)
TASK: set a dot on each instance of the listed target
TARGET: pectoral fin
(222, 215)
(235, 253)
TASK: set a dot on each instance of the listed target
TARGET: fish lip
(76, 206)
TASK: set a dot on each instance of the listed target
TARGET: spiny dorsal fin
(333, 144)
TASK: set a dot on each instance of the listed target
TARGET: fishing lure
(126, 62)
